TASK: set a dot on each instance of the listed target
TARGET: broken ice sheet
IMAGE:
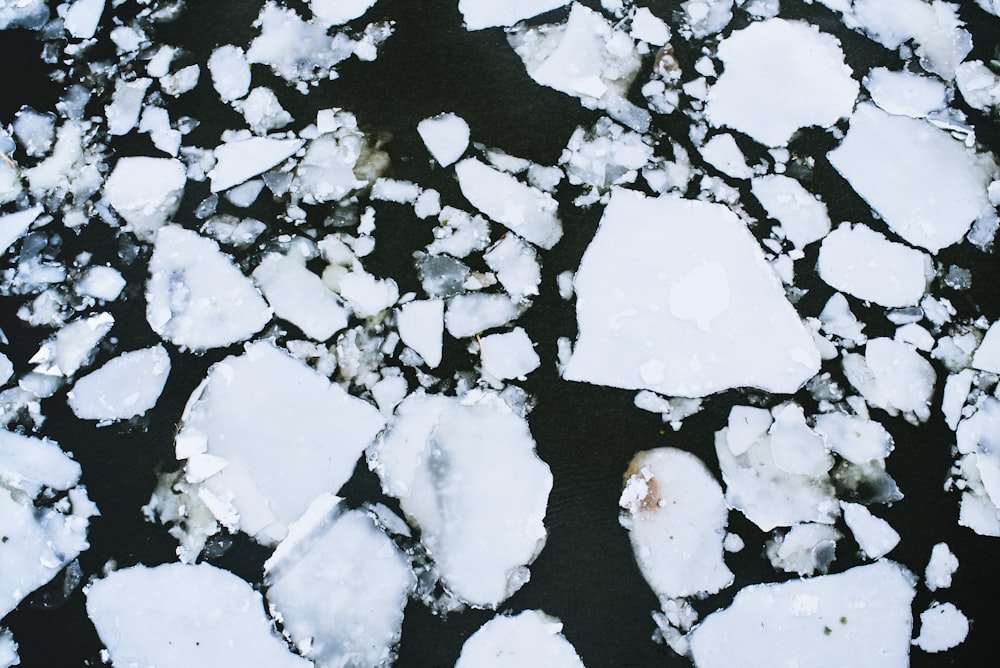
(857, 618)
(127, 386)
(508, 355)
(240, 160)
(511, 641)
(181, 615)
(691, 273)
(466, 473)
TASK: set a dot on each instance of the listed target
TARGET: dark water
(586, 575)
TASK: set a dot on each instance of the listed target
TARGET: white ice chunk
(179, 615)
(979, 85)
(156, 122)
(508, 355)
(326, 171)
(803, 217)
(394, 190)
(473, 313)
(262, 111)
(804, 549)
(339, 585)
(13, 225)
(979, 465)
(905, 93)
(82, 18)
(300, 296)
(101, 282)
(942, 626)
(181, 81)
(530, 638)
(956, 391)
(8, 650)
(339, 12)
(6, 369)
(479, 14)
(28, 464)
(459, 233)
(230, 72)
(527, 211)
(446, 136)
(893, 376)
(72, 346)
(368, 296)
(516, 266)
(874, 535)
(863, 263)
(296, 50)
(146, 192)
(123, 112)
(127, 386)
(987, 357)
(239, 161)
(196, 297)
(858, 618)
(466, 472)
(649, 28)
(746, 425)
(722, 153)
(676, 518)
(795, 447)
(779, 76)
(691, 273)
(941, 566)
(421, 327)
(925, 184)
(856, 439)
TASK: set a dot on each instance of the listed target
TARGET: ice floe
(446, 136)
(942, 626)
(941, 566)
(300, 297)
(531, 637)
(146, 192)
(803, 217)
(127, 386)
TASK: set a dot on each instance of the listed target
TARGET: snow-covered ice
(805, 549)
(940, 567)
(905, 93)
(446, 136)
(69, 349)
(874, 535)
(13, 225)
(127, 386)
(942, 626)
(987, 356)
(230, 72)
(146, 192)
(893, 376)
(516, 266)
(470, 314)
(82, 17)
(511, 641)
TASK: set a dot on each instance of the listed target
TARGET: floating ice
(605, 155)
(368, 296)
(123, 112)
(516, 266)
(8, 648)
(873, 534)
(6, 369)
(338, 585)
(904, 93)
(979, 467)
(459, 233)
(146, 192)
(338, 12)
(465, 471)
(722, 153)
(780, 76)
(979, 85)
(942, 626)
(230, 72)
(82, 18)
(648, 27)
(854, 438)
(30, 14)
(470, 314)
(72, 346)
(180, 615)
(804, 549)
(331, 167)
(892, 375)
(941, 566)
(262, 111)
(296, 49)
(508, 355)
(196, 297)
(255, 409)
(857, 618)
(240, 160)
(676, 518)
(863, 263)
(479, 14)
(127, 386)
(300, 297)
(987, 357)
(927, 186)
(421, 326)
(446, 136)
(528, 638)
(14, 225)
(692, 273)
(101, 282)
(804, 218)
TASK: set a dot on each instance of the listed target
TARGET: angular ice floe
(529, 212)
(516, 266)
(924, 183)
(300, 297)
(260, 408)
(857, 618)
(675, 296)
(893, 376)
(237, 161)
(465, 472)
(854, 438)
(230, 72)
(508, 355)
(987, 356)
(446, 136)
(196, 297)
(180, 615)
(803, 217)
(863, 263)
(722, 152)
(368, 296)
(421, 327)
(479, 14)
(942, 626)
(123, 112)
(71, 347)
(905, 93)
(127, 386)
(262, 111)
(39, 538)
(338, 585)
(473, 313)
(676, 518)
(979, 85)
(82, 17)
(146, 192)
(528, 638)
(338, 12)
(603, 156)
(941, 566)
(874, 536)
(295, 49)
(804, 549)
(779, 76)
(979, 466)
(13, 225)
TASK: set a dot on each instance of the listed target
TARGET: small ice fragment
(368, 296)
(508, 355)
(82, 17)
(942, 626)
(854, 438)
(904, 93)
(649, 28)
(339, 12)
(6, 369)
(181, 81)
(127, 386)
(297, 50)
(13, 225)
(676, 518)
(101, 282)
(722, 153)
(230, 72)
(956, 391)
(804, 218)
(942, 565)
(421, 326)
(987, 357)
(893, 376)
(180, 615)
(262, 111)
(516, 266)
(863, 263)
(72, 346)
(34, 131)
(979, 85)
(239, 161)
(874, 536)
(471, 314)
(805, 549)
(146, 192)
(479, 14)
(795, 447)
(8, 650)
(123, 112)
(446, 136)
(300, 297)
(530, 638)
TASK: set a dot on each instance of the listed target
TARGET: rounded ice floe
(146, 192)
(446, 136)
(339, 585)
(858, 618)
(942, 626)
(779, 76)
(941, 566)
(854, 438)
(530, 638)
(338, 12)
(179, 615)
(259, 409)
(230, 72)
(926, 185)
(676, 518)
(101, 282)
(127, 386)
(804, 219)
(465, 471)
(692, 273)
(196, 297)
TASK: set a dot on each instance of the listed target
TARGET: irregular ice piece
(446, 136)
(904, 93)
(479, 14)
(263, 407)
(528, 638)
(470, 314)
(925, 184)
(28, 464)
(239, 161)
(180, 615)
(649, 28)
(987, 357)
(875, 536)
(230, 72)
(779, 76)
(956, 391)
(804, 219)
(942, 565)
(13, 225)
(72, 346)
(942, 626)
(795, 447)
(421, 326)
(368, 296)
(722, 153)
(746, 425)
(854, 438)
(8, 650)
(979, 86)
(459, 233)
(979, 466)
(508, 355)
(804, 549)
(465, 471)
(300, 296)
(516, 266)
(605, 155)
(34, 131)
(262, 111)
(338, 12)
(82, 18)
(127, 386)
(691, 273)
(527, 211)
(123, 112)
(863, 263)
(893, 376)
(676, 518)
(339, 585)
(326, 171)
(857, 618)
(196, 297)
(146, 192)
(296, 50)
(6, 369)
